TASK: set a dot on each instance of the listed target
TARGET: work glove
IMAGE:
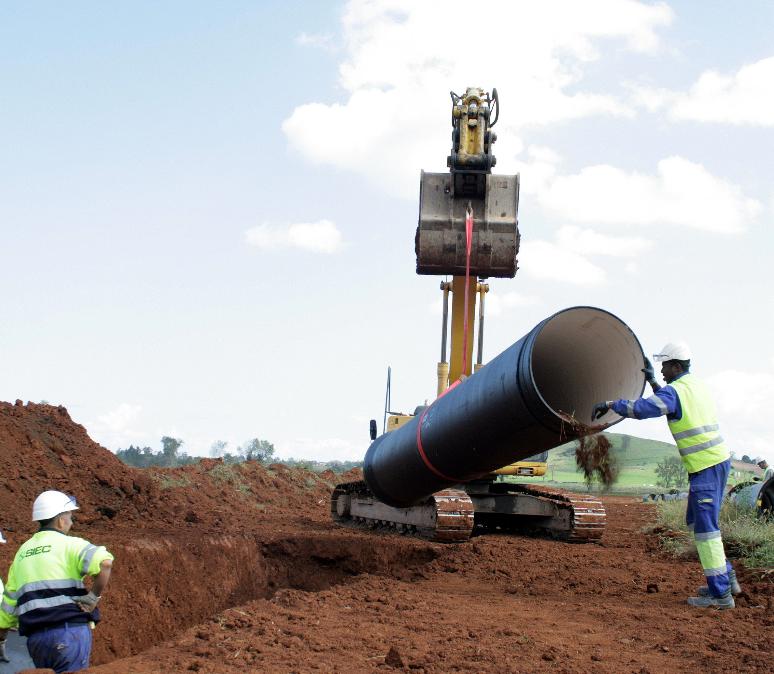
(87, 602)
(650, 373)
(600, 409)
(3, 656)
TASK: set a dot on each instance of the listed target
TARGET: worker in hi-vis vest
(3, 656)
(689, 409)
(45, 595)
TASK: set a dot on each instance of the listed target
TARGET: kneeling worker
(45, 595)
(690, 412)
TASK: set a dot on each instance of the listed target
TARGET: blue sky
(208, 209)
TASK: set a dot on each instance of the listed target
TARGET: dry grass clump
(592, 455)
(745, 535)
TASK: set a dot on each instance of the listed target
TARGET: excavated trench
(164, 585)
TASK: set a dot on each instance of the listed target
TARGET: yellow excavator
(471, 185)
(468, 230)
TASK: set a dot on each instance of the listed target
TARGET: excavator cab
(446, 198)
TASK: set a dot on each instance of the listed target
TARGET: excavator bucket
(440, 241)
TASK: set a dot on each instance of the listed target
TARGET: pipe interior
(583, 356)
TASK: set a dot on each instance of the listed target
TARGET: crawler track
(450, 515)
(446, 516)
(587, 516)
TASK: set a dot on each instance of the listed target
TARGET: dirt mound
(41, 447)
(360, 602)
(236, 568)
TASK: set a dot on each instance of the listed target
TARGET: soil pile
(495, 604)
(172, 530)
(226, 569)
(41, 447)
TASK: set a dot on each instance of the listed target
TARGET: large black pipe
(510, 409)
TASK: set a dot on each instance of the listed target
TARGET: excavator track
(449, 516)
(446, 517)
(589, 517)
(576, 518)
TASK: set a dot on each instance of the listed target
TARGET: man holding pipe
(690, 412)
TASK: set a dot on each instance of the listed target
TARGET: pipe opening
(583, 356)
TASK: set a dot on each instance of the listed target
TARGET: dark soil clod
(592, 454)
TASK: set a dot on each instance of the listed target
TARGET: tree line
(255, 449)
(671, 472)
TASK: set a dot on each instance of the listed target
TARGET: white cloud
(566, 258)
(746, 97)
(118, 427)
(680, 193)
(758, 398)
(744, 417)
(319, 237)
(499, 303)
(119, 418)
(321, 449)
(398, 63)
(320, 40)
(544, 260)
(589, 242)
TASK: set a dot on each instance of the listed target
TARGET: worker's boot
(721, 603)
(733, 584)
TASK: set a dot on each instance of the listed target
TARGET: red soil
(239, 569)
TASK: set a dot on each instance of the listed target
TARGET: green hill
(637, 458)
(631, 452)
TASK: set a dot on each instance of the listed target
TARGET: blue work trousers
(702, 516)
(66, 648)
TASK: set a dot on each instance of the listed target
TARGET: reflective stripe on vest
(696, 432)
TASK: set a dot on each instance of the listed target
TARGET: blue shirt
(663, 402)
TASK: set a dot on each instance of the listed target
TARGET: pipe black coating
(509, 409)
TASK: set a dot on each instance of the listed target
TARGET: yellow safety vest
(46, 574)
(696, 432)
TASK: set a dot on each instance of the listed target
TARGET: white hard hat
(52, 503)
(673, 351)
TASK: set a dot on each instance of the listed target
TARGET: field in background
(637, 458)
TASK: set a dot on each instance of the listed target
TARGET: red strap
(468, 246)
(432, 468)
